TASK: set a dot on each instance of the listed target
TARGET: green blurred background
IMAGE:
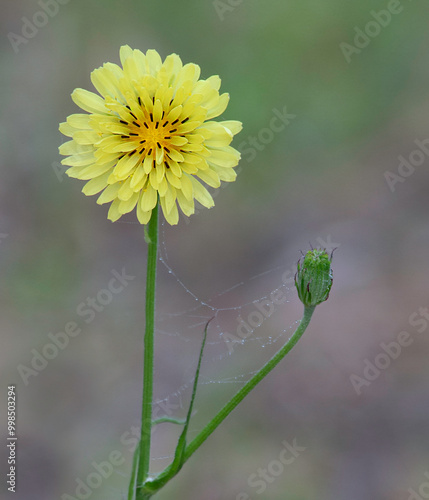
(320, 180)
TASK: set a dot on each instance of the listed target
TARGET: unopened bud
(313, 279)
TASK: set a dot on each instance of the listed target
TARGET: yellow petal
(95, 170)
(140, 60)
(214, 81)
(174, 114)
(201, 194)
(167, 97)
(86, 137)
(170, 198)
(89, 101)
(225, 157)
(175, 168)
(172, 65)
(109, 194)
(157, 111)
(128, 205)
(189, 168)
(125, 192)
(187, 188)
(220, 136)
(193, 148)
(131, 70)
(124, 53)
(124, 147)
(159, 155)
(193, 159)
(210, 177)
(180, 96)
(145, 98)
(80, 121)
(138, 179)
(66, 129)
(187, 206)
(211, 98)
(142, 216)
(96, 185)
(125, 165)
(172, 179)
(189, 72)
(160, 172)
(225, 174)
(188, 127)
(149, 199)
(219, 108)
(73, 148)
(153, 62)
(175, 155)
(233, 126)
(114, 214)
(148, 164)
(162, 187)
(79, 160)
(172, 216)
(118, 128)
(178, 141)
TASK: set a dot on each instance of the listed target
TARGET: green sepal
(313, 279)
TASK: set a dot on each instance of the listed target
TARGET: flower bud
(313, 279)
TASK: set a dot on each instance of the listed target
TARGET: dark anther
(123, 121)
(165, 124)
(159, 145)
(175, 121)
(136, 124)
(151, 117)
(146, 125)
(173, 130)
(156, 124)
(185, 120)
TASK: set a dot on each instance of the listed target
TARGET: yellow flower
(150, 136)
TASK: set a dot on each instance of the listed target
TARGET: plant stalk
(151, 237)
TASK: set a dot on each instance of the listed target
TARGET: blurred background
(348, 168)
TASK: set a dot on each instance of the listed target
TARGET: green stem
(132, 485)
(146, 428)
(244, 391)
(170, 472)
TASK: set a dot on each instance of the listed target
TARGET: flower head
(150, 136)
(313, 279)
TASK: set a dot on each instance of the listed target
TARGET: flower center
(155, 136)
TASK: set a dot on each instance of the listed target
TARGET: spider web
(225, 340)
(226, 347)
